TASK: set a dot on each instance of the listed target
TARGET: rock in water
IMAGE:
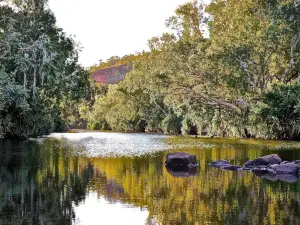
(181, 159)
(220, 163)
(288, 168)
(272, 159)
(296, 162)
(267, 159)
(262, 168)
(232, 168)
(248, 164)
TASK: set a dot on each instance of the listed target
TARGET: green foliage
(187, 127)
(39, 74)
(171, 124)
(281, 110)
(219, 84)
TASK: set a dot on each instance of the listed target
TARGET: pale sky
(107, 28)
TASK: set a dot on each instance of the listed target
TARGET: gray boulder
(288, 168)
(272, 159)
(296, 161)
(181, 159)
(248, 164)
(267, 159)
(272, 166)
(259, 162)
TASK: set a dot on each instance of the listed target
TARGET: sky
(106, 28)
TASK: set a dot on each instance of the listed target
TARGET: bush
(280, 111)
(188, 128)
(171, 124)
(98, 125)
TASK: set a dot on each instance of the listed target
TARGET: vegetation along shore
(217, 73)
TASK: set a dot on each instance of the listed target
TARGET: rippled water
(115, 178)
(100, 144)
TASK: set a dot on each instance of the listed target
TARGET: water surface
(114, 178)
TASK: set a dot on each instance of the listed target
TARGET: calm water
(110, 178)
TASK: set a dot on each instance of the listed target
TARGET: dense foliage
(230, 68)
(39, 73)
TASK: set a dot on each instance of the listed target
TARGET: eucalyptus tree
(217, 71)
(257, 44)
(40, 57)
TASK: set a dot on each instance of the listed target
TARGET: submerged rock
(296, 161)
(232, 168)
(270, 167)
(263, 168)
(288, 168)
(181, 171)
(220, 163)
(181, 159)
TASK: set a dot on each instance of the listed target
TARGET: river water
(115, 178)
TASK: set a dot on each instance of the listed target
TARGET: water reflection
(181, 171)
(52, 183)
(97, 210)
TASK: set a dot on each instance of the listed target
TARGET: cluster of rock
(270, 167)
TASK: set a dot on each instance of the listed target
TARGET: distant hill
(111, 75)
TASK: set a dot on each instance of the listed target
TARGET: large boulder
(288, 168)
(267, 159)
(181, 159)
(220, 163)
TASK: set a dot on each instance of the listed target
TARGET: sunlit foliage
(218, 81)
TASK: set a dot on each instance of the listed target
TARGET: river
(116, 178)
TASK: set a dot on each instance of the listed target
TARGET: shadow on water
(51, 182)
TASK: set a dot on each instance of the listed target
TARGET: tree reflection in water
(44, 183)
